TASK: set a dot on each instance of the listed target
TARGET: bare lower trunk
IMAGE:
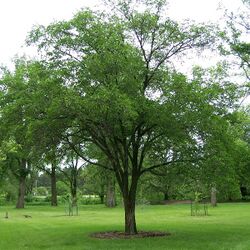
(101, 198)
(53, 186)
(128, 186)
(129, 197)
(213, 197)
(110, 197)
(243, 191)
(73, 190)
(21, 192)
(166, 197)
(130, 223)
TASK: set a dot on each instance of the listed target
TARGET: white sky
(18, 16)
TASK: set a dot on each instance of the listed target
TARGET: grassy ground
(227, 227)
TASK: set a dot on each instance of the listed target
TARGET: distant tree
(23, 92)
(14, 125)
(43, 180)
(243, 152)
(71, 171)
(101, 182)
(49, 163)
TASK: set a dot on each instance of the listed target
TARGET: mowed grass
(227, 227)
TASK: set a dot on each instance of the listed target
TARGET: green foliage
(29, 198)
(62, 188)
(41, 191)
(95, 180)
(8, 192)
(238, 38)
(89, 200)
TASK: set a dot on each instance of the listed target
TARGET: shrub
(89, 200)
(62, 188)
(28, 198)
(246, 198)
(41, 191)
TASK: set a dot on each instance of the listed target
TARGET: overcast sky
(18, 16)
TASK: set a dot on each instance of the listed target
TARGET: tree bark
(101, 198)
(166, 197)
(213, 197)
(53, 186)
(73, 190)
(243, 191)
(110, 197)
(129, 197)
(22, 185)
(21, 192)
(130, 222)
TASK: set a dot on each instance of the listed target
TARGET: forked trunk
(21, 192)
(53, 186)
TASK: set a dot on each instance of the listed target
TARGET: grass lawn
(227, 227)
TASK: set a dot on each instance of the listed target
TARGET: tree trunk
(166, 197)
(129, 197)
(243, 191)
(21, 192)
(73, 190)
(53, 186)
(213, 197)
(130, 223)
(101, 198)
(110, 197)
(128, 186)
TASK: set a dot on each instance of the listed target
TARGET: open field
(227, 227)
